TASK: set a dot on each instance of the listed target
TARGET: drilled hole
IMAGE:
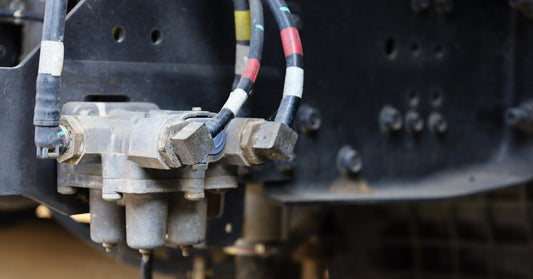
(390, 48)
(3, 51)
(415, 49)
(436, 99)
(155, 36)
(439, 51)
(118, 34)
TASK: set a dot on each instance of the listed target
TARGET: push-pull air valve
(148, 170)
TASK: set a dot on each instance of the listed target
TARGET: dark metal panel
(369, 54)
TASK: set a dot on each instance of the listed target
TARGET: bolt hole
(118, 34)
(415, 49)
(155, 36)
(436, 99)
(439, 51)
(390, 48)
(315, 120)
(413, 99)
(3, 51)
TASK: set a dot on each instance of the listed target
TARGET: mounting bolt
(390, 119)
(349, 160)
(437, 123)
(413, 122)
(308, 119)
(521, 117)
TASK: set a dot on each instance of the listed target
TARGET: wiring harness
(294, 77)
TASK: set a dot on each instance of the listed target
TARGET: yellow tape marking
(242, 25)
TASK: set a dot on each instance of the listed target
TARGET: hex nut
(239, 140)
(259, 141)
(87, 136)
(165, 145)
(74, 150)
(150, 145)
(193, 143)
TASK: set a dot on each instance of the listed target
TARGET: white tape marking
(294, 82)
(51, 58)
(235, 101)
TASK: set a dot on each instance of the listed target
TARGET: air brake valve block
(148, 170)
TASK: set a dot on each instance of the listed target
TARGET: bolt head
(349, 161)
(437, 123)
(390, 119)
(413, 122)
(308, 120)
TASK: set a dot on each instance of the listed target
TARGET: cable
(147, 260)
(243, 88)
(46, 114)
(18, 14)
(242, 37)
(294, 76)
